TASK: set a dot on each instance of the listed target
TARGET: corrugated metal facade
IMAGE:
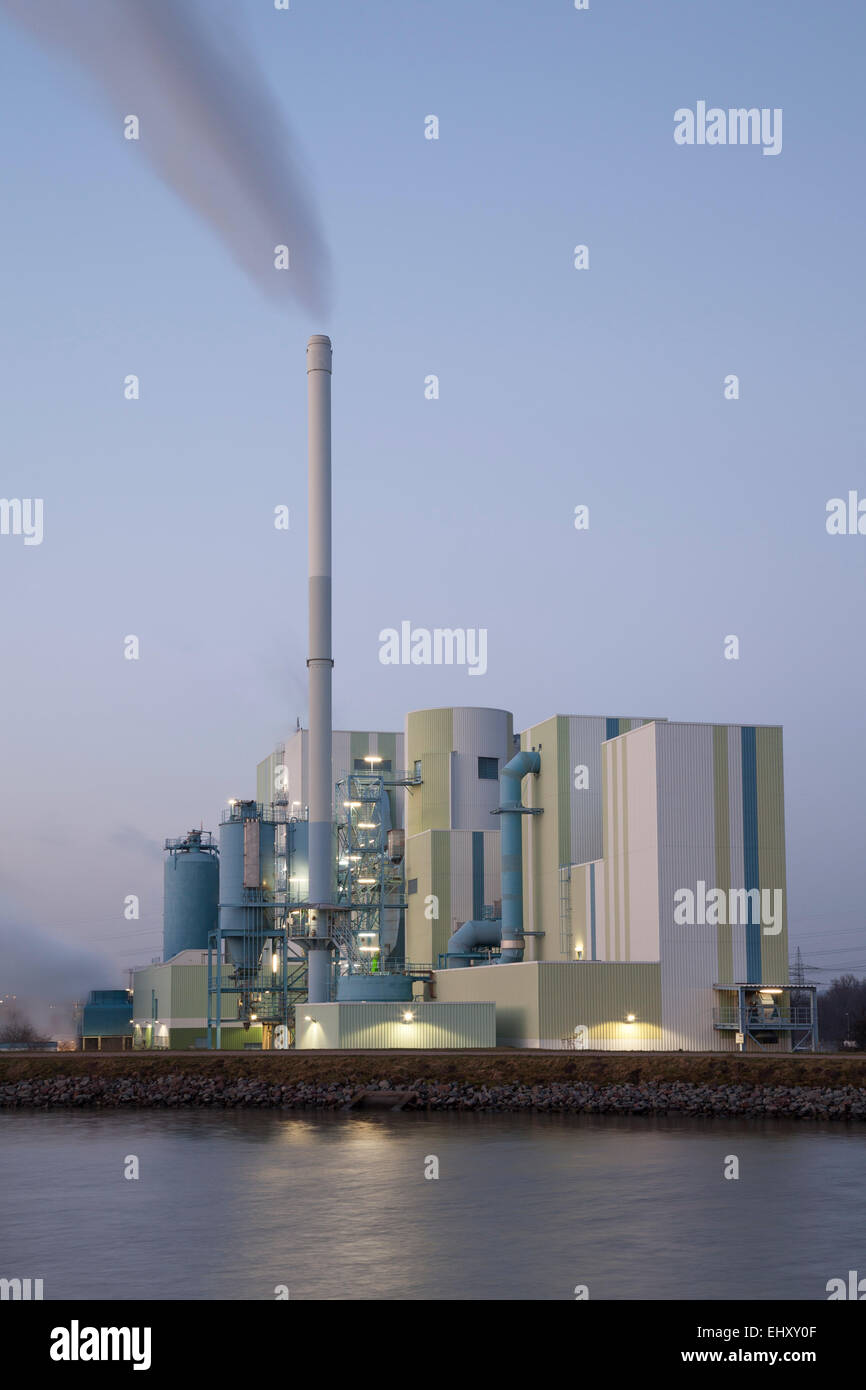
(458, 864)
(448, 744)
(419, 878)
(627, 889)
(540, 1004)
(571, 829)
(445, 864)
(487, 733)
(434, 1024)
(512, 988)
(598, 997)
(429, 740)
(178, 994)
(721, 824)
(681, 805)
(346, 745)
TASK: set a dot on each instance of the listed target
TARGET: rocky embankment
(181, 1089)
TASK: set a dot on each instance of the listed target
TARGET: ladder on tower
(565, 937)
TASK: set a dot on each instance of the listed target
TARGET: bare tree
(16, 1029)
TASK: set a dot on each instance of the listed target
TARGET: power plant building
(608, 882)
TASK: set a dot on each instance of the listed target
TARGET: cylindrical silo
(246, 883)
(457, 754)
(191, 893)
(374, 989)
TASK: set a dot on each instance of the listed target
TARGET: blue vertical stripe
(751, 863)
(592, 912)
(611, 728)
(477, 874)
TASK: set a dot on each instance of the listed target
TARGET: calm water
(229, 1205)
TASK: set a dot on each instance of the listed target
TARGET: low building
(106, 1021)
(169, 1009)
(415, 1025)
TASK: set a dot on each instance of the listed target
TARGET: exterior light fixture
(307, 1019)
(366, 825)
(366, 880)
(372, 758)
(629, 1018)
(253, 1018)
(275, 962)
(353, 805)
(408, 1017)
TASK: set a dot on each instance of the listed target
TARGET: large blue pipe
(471, 935)
(507, 931)
(512, 811)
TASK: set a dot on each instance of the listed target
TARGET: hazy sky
(557, 387)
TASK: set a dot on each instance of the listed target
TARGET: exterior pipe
(472, 935)
(512, 810)
(320, 665)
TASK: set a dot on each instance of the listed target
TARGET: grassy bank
(470, 1068)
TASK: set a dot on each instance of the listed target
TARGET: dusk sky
(558, 387)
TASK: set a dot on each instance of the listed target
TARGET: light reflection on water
(336, 1206)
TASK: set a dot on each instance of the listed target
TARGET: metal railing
(278, 813)
(194, 839)
(391, 967)
(796, 1016)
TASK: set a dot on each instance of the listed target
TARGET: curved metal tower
(191, 893)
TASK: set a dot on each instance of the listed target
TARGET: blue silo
(246, 884)
(191, 893)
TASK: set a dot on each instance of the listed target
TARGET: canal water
(249, 1205)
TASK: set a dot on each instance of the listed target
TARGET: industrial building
(615, 818)
(105, 1022)
(601, 882)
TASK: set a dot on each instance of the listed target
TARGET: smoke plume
(208, 125)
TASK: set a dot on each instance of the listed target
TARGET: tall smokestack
(320, 664)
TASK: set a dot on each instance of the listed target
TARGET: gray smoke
(36, 964)
(207, 123)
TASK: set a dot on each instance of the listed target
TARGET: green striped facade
(542, 1003)
(429, 740)
(569, 831)
(442, 890)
